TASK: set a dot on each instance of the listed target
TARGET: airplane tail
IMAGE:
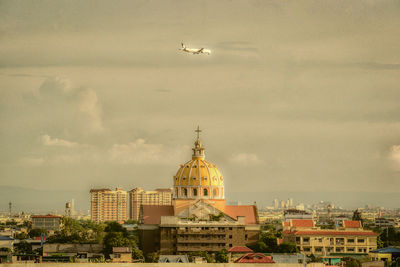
(183, 46)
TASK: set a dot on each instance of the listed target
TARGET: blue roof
(386, 250)
(6, 238)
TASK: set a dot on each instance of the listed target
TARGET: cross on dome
(198, 131)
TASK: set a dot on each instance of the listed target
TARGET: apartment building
(108, 205)
(351, 238)
(138, 196)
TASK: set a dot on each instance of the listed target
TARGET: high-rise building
(138, 197)
(108, 205)
(276, 203)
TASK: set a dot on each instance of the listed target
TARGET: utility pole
(9, 208)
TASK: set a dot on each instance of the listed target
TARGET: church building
(199, 218)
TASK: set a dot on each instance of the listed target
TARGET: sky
(297, 96)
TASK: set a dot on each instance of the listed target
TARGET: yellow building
(108, 205)
(351, 238)
(198, 219)
(138, 197)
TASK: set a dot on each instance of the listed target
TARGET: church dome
(198, 178)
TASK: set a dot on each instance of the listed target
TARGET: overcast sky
(296, 96)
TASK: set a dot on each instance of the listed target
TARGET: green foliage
(4, 249)
(12, 222)
(118, 236)
(390, 237)
(357, 216)
(21, 236)
(78, 232)
(216, 217)
(312, 258)
(221, 256)
(203, 254)
(37, 232)
(23, 247)
(152, 257)
(268, 244)
(351, 262)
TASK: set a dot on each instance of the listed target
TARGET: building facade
(198, 219)
(46, 222)
(351, 238)
(108, 205)
(138, 196)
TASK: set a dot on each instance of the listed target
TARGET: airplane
(195, 51)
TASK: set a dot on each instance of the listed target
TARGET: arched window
(195, 192)
(185, 192)
(205, 192)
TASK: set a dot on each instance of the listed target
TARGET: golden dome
(198, 178)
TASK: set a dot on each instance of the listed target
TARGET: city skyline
(295, 100)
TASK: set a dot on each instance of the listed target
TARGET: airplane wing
(200, 50)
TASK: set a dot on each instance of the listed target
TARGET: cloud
(141, 152)
(245, 159)
(69, 108)
(48, 141)
(394, 156)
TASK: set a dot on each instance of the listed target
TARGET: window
(194, 177)
(214, 192)
(350, 240)
(318, 249)
(205, 178)
(195, 192)
(183, 178)
(230, 245)
(306, 239)
(245, 237)
(307, 249)
(205, 192)
(350, 249)
(230, 236)
(360, 240)
(230, 228)
(185, 192)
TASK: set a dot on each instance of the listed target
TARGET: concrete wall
(160, 265)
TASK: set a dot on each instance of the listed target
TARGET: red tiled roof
(247, 211)
(286, 223)
(45, 216)
(352, 224)
(302, 223)
(240, 250)
(254, 258)
(152, 213)
(333, 232)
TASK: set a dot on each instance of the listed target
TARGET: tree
(221, 256)
(37, 232)
(351, 262)
(287, 248)
(21, 236)
(357, 216)
(151, 257)
(23, 247)
(203, 254)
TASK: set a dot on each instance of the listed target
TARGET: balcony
(191, 248)
(200, 240)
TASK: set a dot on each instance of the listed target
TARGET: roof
(254, 258)
(247, 211)
(173, 258)
(240, 250)
(72, 248)
(302, 223)
(286, 223)
(151, 214)
(331, 232)
(386, 250)
(45, 216)
(4, 238)
(352, 224)
(122, 249)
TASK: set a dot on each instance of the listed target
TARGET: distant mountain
(41, 201)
